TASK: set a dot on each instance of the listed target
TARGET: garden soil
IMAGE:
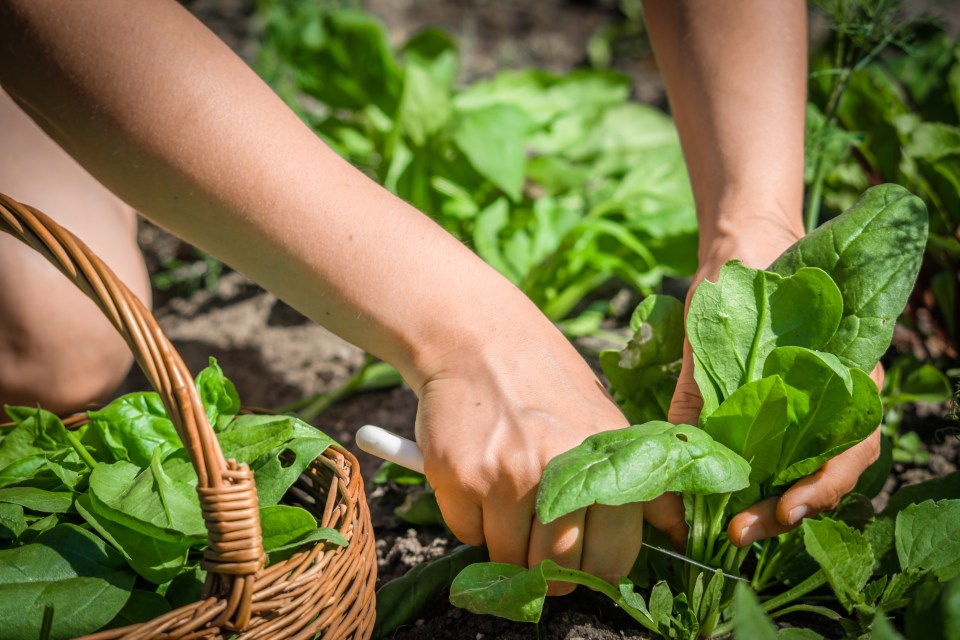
(275, 356)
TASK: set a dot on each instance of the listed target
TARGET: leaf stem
(80, 449)
(812, 583)
(604, 587)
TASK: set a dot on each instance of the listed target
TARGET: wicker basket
(324, 589)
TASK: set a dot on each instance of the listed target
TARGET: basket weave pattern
(323, 589)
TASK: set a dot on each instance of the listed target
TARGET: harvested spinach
(108, 513)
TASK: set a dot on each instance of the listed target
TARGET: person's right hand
(493, 412)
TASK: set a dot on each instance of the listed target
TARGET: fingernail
(751, 533)
(797, 514)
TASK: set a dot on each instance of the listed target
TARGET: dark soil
(275, 356)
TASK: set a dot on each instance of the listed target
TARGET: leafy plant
(558, 182)
(782, 360)
(88, 514)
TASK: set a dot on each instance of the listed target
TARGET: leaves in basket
(160, 500)
(133, 426)
(157, 560)
(85, 581)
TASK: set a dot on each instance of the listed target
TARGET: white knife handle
(390, 446)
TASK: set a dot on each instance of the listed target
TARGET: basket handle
(228, 495)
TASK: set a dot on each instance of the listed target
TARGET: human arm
(736, 76)
(167, 117)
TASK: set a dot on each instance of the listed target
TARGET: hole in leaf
(287, 458)
(682, 437)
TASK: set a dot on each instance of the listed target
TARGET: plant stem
(812, 583)
(604, 587)
(80, 449)
(756, 582)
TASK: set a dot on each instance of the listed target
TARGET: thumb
(686, 403)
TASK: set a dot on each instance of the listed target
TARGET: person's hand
(758, 246)
(492, 413)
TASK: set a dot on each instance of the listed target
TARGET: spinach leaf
(217, 393)
(873, 252)
(750, 621)
(12, 521)
(155, 559)
(735, 323)
(276, 470)
(38, 499)
(70, 569)
(159, 501)
(830, 407)
(643, 375)
(401, 599)
(752, 423)
(134, 426)
(37, 434)
(506, 590)
(635, 464)
(280, 524)
(140, 607)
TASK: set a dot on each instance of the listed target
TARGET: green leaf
(883, 630)
(159, 501)
(657, 326)
(798, 633)
(934, 612)
(844, 555)
(425, 105)
(248, 437)
(392, 472)
(751, 423)
(217, 393)
(156, 560)
(928, 538)
(643, 375)
(12, 522)
(636, 464)
(830, 407)
(735, 323)
(37, 434)
(492, 140)
(134, 426)
(76, 573)
(312, 537)
(750, 621)
(501, 589)
(38, 499)
(420, 507)
(661, 606)
(872, 252)
(141, 607)
(282, 524)
(873, 480)
(402, 599)
(945, 488)
(276, 470)
(644, 393)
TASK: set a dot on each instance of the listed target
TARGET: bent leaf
(501, 589)
(636, 464)
(830, 408)
(873, 252)
(735, 323)
(752, 423)
(85, 581)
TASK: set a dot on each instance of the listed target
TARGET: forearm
(167, 117)
(735, 73)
